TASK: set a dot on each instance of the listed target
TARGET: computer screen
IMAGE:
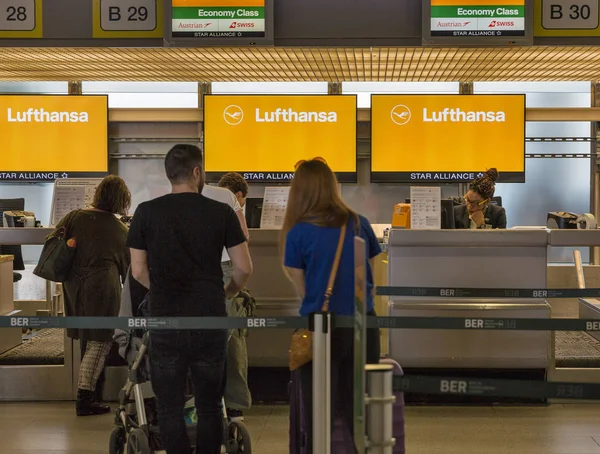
(263, 137)
(447, 208)
(48, 137)
(447, 138)
(253, 212)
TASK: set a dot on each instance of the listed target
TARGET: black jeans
(342, 378)
(203, 354)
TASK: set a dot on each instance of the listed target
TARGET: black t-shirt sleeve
(137, 231)
(234, 235)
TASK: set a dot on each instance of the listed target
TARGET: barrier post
(380, 403)
(321, 381)
(579, 269)
(360, 340)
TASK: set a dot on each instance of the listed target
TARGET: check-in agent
(478, 211)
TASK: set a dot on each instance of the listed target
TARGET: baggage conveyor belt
(45, 347)
(573, 349)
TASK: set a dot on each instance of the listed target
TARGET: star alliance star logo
(65, 175)
(480, 175)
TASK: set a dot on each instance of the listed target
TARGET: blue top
(312, 249)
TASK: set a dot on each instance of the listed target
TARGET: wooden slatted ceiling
(302, 64)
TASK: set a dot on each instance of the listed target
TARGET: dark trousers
(203, 354)
(342, 378)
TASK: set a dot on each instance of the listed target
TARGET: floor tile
(53, 428)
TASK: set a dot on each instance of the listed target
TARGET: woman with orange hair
(316, 220)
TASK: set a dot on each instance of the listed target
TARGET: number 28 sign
(21, 19)
(567, 18)
(128, 19)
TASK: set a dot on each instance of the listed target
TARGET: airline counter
(511, 258)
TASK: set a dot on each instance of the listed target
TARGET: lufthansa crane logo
(233, 115)
(400, 114)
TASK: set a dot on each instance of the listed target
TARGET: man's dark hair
(180, 162)
(235, 183)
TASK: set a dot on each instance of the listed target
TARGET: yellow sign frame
(270, 146)
(60, 119)
(540, 32)
(37, 32)
(158, 32)
(423, 137)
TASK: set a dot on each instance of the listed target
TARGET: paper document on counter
(425, 208)
(274, 205)
(72, 194)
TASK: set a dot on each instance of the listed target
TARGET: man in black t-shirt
(176, 244)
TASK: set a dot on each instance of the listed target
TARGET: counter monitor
(47, 137)
(447, 138)
(471, 22)
(222, 22)
(263, 137)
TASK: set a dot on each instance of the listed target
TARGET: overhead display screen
(447, 138)
(477, 18)
(219, 19)
(477, 21)
(49, 137)
(264, 137)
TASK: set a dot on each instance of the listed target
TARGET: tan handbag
(301, 346)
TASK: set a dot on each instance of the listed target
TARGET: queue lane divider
(215, 323)
(456, 292)
(493, 387)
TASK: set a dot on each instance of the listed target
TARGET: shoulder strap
(63, 230)
(334, 268)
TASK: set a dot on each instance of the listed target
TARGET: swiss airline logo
(501, 23)
(242, 25)
(400, 114)
(233, 115)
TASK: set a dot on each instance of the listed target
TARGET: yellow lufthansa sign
(444, 138)
(263, 137)
(43, 135)
(21, 19)
(128, 19)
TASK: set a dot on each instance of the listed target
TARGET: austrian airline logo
(451, 24)
(400, 114)
(233, 115)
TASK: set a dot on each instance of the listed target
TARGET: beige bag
(301, 347)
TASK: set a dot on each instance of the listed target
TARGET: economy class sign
(446, 138)
(263, 137)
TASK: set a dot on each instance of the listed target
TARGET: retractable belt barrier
(449, 292)
(492, 387)
(214, 323)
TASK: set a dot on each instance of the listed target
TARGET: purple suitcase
(297, 419)
(341, 438)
